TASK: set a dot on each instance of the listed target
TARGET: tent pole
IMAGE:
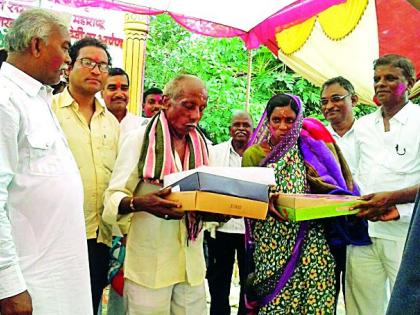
(248, 83)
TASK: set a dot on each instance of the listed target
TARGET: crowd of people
(82, 204)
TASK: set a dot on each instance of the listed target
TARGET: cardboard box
(200, 181)
(218, 203)
(301, 207)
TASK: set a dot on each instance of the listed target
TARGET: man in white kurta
(43, 253)
(387, 151)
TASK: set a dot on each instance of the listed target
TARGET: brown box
(218, 203)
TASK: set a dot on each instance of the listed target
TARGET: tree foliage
(223, 65)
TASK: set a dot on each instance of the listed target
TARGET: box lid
(223, 185)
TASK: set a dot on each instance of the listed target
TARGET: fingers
(164, 192)
(391, 215)
(274, 213)
(367, 197)
(361, 206)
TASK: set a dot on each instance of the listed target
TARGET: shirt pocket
(43, 158)
(108, 152)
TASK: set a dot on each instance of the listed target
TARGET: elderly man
(229, 239)
(43, 253)
(92, 133)
(164, 266)
(116, 95)
(387, 151)
(152, 101)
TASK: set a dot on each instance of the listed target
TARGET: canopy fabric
(385, 26)
(318, 39)
(253, 21)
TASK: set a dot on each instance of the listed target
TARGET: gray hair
(173, 88)
(32, 23)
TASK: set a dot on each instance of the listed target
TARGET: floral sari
(294, 268)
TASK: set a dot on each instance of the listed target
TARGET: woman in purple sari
(294, 268)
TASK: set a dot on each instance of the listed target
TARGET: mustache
(331, 111)
(119, 98)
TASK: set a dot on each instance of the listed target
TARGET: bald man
(229, 239)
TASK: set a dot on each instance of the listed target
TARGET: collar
(24, 81)
(67, 100)
(333, 133)
(402, 116)
(231, 148)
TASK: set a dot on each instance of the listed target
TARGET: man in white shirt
(230, 236)
(116, 95)
(337, 100)
(43, 254)
(387, 151)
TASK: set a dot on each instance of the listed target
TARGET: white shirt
(382, 166)
(223, 154)
(158, 254)
(42, 232)
(346, 144)
(131, 122)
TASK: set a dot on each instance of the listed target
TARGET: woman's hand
(281, 215)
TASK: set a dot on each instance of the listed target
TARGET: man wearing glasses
(92, 133)
(337, 100)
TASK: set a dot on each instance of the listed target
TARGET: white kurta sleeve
(125, 176)
(11, 278)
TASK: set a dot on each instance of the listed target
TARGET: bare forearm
(405, 195)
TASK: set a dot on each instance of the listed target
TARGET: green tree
(223, 65)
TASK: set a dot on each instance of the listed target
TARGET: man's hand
(376, 205)
(281, 215)
(155, 204)
(391, 215)
(20, 304)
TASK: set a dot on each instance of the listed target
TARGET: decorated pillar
(136, 28)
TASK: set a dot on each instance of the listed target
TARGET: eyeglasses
(90, 64)
(334, 99)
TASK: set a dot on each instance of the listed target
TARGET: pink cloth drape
(262, 33)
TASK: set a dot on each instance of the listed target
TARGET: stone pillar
(136, 28)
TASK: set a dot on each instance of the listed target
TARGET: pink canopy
(307, 35)
(253, 21)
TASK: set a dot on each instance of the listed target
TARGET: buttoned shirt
(389, 161)
(346, 144)
(158, 254)
(223, 154)
(94, 147)
(42, 233)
